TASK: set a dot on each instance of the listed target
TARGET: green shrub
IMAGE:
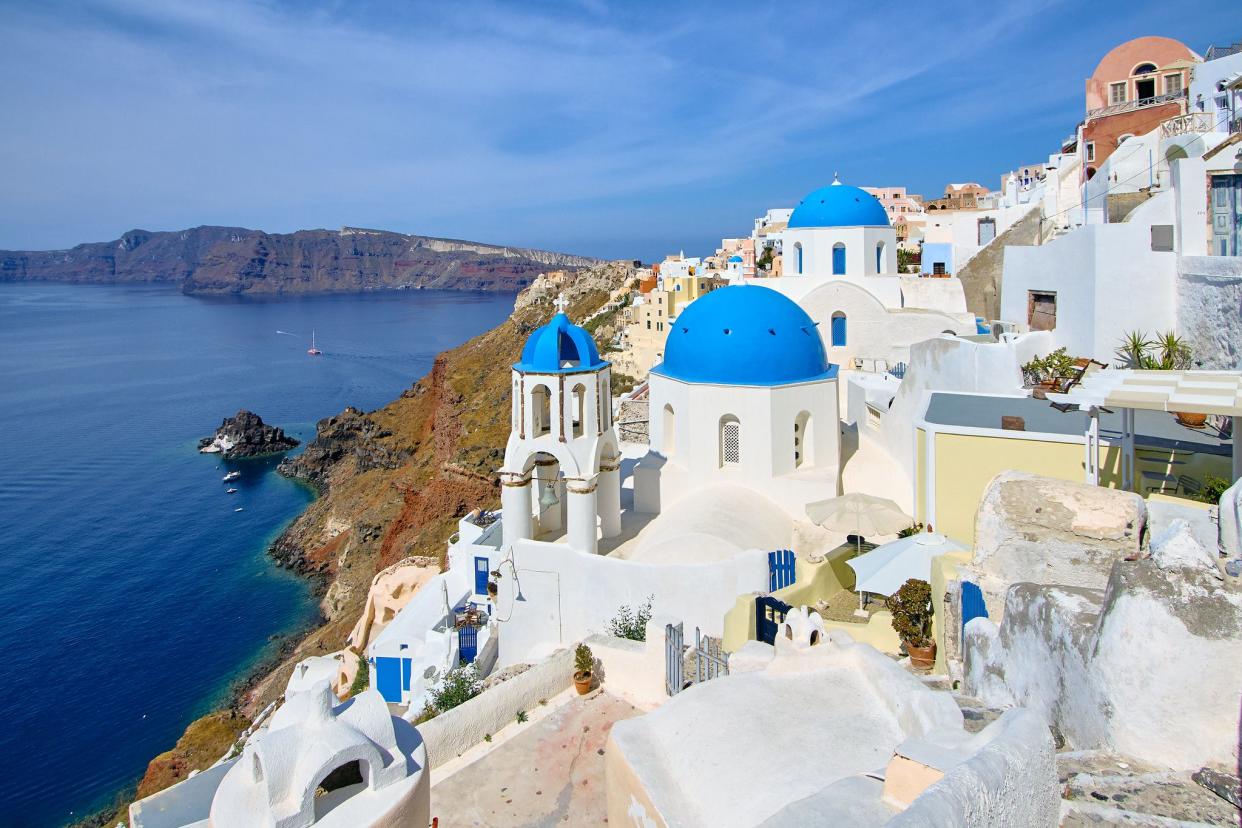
(630, 623)
(911, 607)
(458, 686)
(1213, 488)
(362, 680)
(584, 659)
(522, 717)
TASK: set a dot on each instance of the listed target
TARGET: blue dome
(735, 258)
(559, 347)
(839, 205)
(744, 335)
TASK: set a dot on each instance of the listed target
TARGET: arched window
(670, 431)
(1144, 68)
(798, 254)
(579, 410)
(804, 446)
(879, 258)
(838, 259)
(540, 410)
(838, 329)
(730, 441)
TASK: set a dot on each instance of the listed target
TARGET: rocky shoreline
(392, 484)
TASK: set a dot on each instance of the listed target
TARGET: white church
(839, 263)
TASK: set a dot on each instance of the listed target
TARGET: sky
(613, 129)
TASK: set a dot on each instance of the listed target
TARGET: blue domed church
(745, 396)
(839, 230)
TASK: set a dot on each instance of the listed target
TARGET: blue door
(388, 679)
(481, 570)
(467, 643)
(972, 603)
(780, 569)
(405, 674)
(838, 260)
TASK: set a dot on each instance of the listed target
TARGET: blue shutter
(838, 331)
(838, 261)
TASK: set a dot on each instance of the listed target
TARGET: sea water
(133, 593)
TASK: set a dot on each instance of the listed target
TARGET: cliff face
(234, 260)
(393, 483)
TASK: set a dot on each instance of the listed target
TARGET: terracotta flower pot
(923, 658)
(583, 682)
(1190, 419)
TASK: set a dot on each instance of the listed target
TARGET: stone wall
(1044, 531)
(1150, 667)
(1209, 309)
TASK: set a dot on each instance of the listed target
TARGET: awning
(884, 569)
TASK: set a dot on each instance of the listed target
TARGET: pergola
(1128, 389)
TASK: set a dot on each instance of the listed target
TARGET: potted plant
(584, 669)
(911, 607)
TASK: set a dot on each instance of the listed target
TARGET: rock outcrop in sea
(246, 435)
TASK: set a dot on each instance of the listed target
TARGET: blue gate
(769, 613)
(780, 569)
(972, 603)
(467, 643)
(481, 570)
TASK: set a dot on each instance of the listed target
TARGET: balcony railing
(1189, 124)
(1130, 106)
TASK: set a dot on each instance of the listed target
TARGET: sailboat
(312, 350)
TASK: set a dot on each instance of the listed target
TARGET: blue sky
(604, 128)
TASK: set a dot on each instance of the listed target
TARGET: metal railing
(1131, 106)
(1189, 124)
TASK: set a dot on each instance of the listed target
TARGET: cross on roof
(561, 303)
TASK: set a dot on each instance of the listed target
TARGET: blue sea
(133, 593)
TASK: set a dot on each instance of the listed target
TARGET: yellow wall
(878, 632)
(966, 463)
(920, 474)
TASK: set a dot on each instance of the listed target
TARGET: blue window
(879, 258)
(481, 570)
(838, 259)
(838, 329)
(798, 249)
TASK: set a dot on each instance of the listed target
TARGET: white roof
(1200, 392)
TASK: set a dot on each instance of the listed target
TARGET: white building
(350, 765)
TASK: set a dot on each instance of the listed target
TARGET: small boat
(239, 509)
(230, 491)
(312, 350)
(231, 476)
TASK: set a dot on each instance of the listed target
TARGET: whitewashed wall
(1209, 309)
(569, 595)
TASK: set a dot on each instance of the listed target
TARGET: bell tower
(561, 475)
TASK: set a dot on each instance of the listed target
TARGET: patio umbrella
(861, 514)
(884, 569)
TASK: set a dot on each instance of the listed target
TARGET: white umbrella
(884, 569)
(860, 514)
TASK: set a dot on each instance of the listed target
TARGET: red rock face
(240, 261)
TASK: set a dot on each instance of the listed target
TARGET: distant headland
(233, 260)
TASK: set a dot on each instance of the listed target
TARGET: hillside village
(900, 510)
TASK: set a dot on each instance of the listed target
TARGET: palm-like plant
(1173, 354)
(1133, 350)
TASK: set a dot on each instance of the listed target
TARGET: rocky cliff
(234, 260)
(246, 435)
(393, 483)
